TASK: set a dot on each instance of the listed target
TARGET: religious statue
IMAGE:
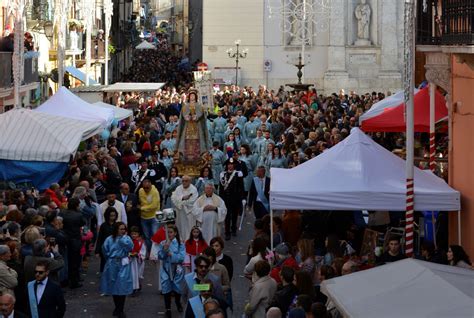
(193, 141)
(362, 13)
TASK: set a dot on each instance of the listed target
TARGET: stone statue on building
(362, 13)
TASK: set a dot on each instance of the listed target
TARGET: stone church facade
(351, 44)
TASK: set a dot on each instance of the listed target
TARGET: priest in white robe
(210, 211)
(183, 199)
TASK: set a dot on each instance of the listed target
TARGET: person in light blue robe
(204, 178)
(217, 162)
(116, 279)
(246, 157)
(169, 186)
(172, 253)
(250, 129)
(220, 126)
(166, 159)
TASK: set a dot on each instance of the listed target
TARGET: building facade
(353, 44)
(445, 35)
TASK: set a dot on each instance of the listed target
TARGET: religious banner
(204, 84)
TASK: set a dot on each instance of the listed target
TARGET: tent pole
(432, 163)
(459, 227)
(409, 111)
(271, 229)
(432, 127)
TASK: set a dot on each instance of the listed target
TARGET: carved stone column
(438, 70)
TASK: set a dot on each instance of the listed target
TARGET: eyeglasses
(40, 272)
(203, 266)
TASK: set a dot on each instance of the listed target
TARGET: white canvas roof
(133, 87)
(407, 288)
(119, 113)
(34, 136)
(357, 174)
(66, 104)
(145, 45)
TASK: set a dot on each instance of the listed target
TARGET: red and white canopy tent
(393, 119)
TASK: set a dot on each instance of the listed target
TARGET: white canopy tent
(407, 288)
(145, 45)
(66, 104)
(119, 113)
(386, 103)
(133, 87)
(357, 174)
(35, 136)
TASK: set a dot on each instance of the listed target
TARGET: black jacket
(253, 191)
(52, 303)
(234, 193)
(284, 297)
(73, 221)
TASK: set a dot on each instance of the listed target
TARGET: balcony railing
(445, 22)
(30, 69)
(6, 79)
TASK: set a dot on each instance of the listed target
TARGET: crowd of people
(106, 204)
(159, 65)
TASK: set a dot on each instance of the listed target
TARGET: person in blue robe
(172, 253)
(116, 279)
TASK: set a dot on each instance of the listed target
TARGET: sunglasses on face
(40, 272)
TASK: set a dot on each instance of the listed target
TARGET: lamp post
(237, 55)
(108, 11)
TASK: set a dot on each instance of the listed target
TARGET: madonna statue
(193, 136)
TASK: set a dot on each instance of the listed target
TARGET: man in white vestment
(111, 201)
(183, 199)
(210, 211)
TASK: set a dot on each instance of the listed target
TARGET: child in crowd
(195, 245)
(137, 257)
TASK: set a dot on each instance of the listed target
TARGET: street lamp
(237, 55)
(48, 29)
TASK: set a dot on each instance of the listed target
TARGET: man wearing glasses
(200, 274)
(46, 298)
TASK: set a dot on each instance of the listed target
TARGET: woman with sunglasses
(116, 279)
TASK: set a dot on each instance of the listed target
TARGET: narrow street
(87, 302)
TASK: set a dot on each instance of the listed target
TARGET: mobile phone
(52, 241)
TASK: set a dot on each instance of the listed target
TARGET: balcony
(6, 80)
(445, 22)
(30, 69)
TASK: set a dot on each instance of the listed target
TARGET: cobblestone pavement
(87, 302)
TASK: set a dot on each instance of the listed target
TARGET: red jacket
(195, 247)
(290, 262)
(54, 197)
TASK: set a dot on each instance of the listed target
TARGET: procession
(168, 185)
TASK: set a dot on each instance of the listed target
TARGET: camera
(165, 216)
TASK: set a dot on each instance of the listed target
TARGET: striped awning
(35, 136)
